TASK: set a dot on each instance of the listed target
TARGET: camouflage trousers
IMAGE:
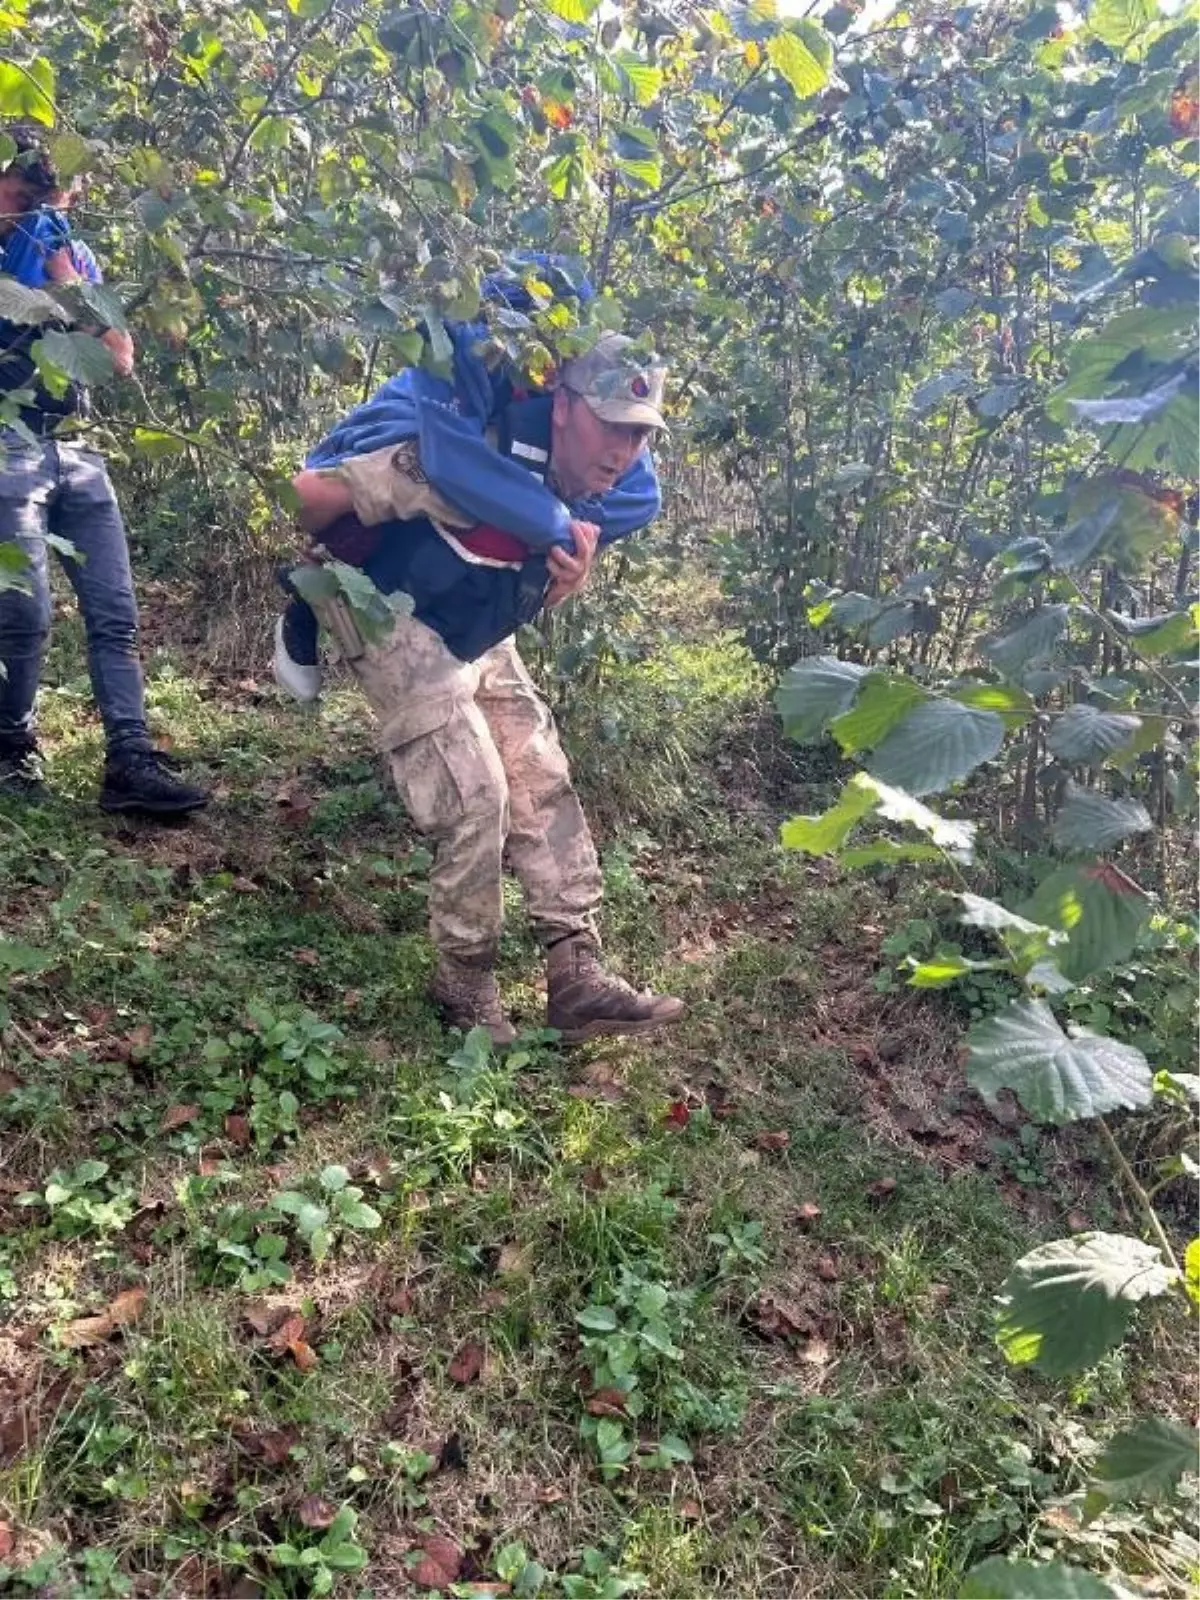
(476, 758)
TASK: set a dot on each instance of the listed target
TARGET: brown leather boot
(465, 993)
(585, 1002)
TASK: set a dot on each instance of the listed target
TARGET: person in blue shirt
(486, 512)
(52, 483)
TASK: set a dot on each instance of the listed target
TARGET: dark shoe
(466, 995)
(21, 775)
(143, 780)
(585, 1001)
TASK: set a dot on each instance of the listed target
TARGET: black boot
(140, 779)
(21, 768)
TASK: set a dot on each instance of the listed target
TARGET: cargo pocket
(446, 766)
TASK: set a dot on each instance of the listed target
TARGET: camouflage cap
(618, 385)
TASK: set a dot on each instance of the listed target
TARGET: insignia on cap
(640, 387)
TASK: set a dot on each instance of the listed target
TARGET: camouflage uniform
(476, 758)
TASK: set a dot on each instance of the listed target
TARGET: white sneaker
(301, 682)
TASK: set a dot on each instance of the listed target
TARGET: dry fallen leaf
(551, 1494)
(467, 1364)
(289, 1330)
(303, 1355)
(85, 1331)
(690, 1510)
(306, 956)
(237, 1130)
(778, 1319)
(9, 1083)
(140, 1039)
(826, 1268)
(807, 1215)
(440, 1563)
(677, 1114)
(1077, 1222)
(606, 1403)
(515, 1260)
(315, 1512)
(815, 1352)
(177, 1117)
(881, 1189)
(6, 1541)
(778, 1140)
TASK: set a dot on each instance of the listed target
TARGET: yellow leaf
(752, 54)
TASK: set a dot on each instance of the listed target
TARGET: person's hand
(60, 266)
(120, 348)
(569, 568)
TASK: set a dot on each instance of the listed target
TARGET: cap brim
(636, 413)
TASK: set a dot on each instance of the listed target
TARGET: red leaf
(826, 1268)
(6, 1541)
(677, 1114)
(315, 1512)
(467, 1364)
(440, 1564)
(237, 1130)
(177, 1117)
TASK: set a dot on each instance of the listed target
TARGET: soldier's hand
(569, 569)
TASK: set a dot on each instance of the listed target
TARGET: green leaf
(997, 402)
(641, 80)
(1091, 821)
(573, 10)
(930, 394)
(956, 838)
(821, 836)
(1143, 1462)
(990, 914)
(1117, 22)
(70, 154)
(801, 51)
(156, 445)
(850, 476)
(80, 356)
(1056, 1078)
(940, 971)
(1165, 635)
(1067, 1303)
(936, 745)
(888, 851)
(29, 307)
(28, 91)
(1129, 408)
(1137, 523)
(1191, 1271)
(357, 1214)
(815, 691)
(998, 1578)
(1014, 705)
(334, 1177)
(1084, 540)
(882, 700)
(1101, 910)
(1160, 334)
(853, 609)
(1032, 642)
(1085, 735)
(597, 1319)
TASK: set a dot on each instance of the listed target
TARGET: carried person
(472, 745)
(53, 484)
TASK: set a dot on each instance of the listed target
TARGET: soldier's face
(587, 455)
(18, 197)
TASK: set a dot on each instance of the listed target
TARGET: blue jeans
(64, 489)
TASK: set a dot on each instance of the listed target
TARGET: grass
(209, 1030)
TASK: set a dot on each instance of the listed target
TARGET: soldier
(472, 746)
